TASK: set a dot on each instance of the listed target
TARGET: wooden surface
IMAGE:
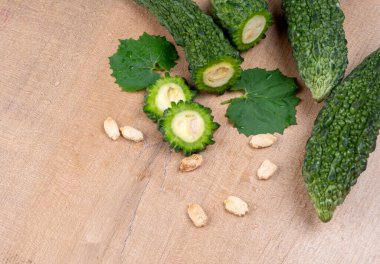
(68, 194)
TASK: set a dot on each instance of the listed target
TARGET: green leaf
(135, 62)
(268, 105)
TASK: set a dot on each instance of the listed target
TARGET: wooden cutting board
(68, 194)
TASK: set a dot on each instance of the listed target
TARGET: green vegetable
(188, 126)
(163, 92)
(214, 64)
(268, 104)
(344, 135)
(318, 41)
(245, 21)
(135, 62)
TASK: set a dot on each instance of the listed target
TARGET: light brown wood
(69, 194)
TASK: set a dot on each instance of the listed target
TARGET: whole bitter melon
(245, 21)
(188, 126)
(214, 64)
(344, 135)
(163, 92)
(318, 41)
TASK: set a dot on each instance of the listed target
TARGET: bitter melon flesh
(163, 92)
(315, 31)
(245, 21)
(188, 126)
(344, 135)
(214, 64)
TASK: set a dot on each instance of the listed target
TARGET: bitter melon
(163, 92)
(188, 126)
(214, 64)
(344, 135)
(318, 41)
(245, 21)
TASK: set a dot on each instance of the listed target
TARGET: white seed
(111, 128)
(262, 141)
(266, 170)
(236, 206)
(132, 133)
(191, 163)
(197, 215)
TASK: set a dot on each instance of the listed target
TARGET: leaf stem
(226, 102)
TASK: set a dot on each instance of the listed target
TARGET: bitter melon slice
(163, 92)
(188, 126)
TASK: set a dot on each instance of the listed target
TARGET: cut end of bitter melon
(188, 126)
(218, 76)
(252, 30)
(163, 92)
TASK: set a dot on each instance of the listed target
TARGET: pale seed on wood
(266, 170)
(236, 206)
(262, 141)
(197, 215)
(111, 128)
(191, 163)
(132, 133)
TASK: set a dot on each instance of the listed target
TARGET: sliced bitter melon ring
(218, 75)
(163, 92)
(188, 126)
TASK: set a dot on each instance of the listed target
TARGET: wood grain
(68, 194)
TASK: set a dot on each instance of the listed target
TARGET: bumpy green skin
(317, 37)
(150, 107)
(165, 126)
(203, 41)
(233, 15)
(344, 135)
